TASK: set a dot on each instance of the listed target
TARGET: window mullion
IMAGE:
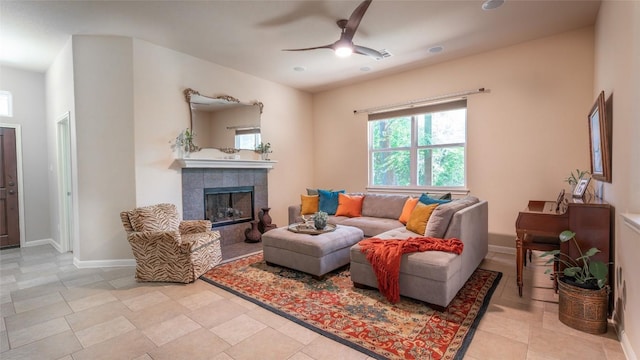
(414, 151)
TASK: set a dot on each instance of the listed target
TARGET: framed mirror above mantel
(223, 122)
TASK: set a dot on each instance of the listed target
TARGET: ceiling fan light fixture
(344, 51)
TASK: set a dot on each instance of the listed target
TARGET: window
(247, 138)
(6, 104)
(419, 147)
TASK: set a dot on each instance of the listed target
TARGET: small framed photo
(581, 187)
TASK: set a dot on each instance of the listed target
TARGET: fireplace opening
(228, 205)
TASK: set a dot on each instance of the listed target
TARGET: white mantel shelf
(225, 163)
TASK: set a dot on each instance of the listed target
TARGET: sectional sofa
(432, 276)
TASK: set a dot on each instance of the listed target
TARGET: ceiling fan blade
(311, 48)
(367, 51)
(354, 20)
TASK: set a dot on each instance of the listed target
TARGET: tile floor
(52, 310)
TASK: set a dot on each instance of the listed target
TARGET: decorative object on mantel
(184, 143)
(264, 150)
(229, 150)
(253, 235)
(265, 224)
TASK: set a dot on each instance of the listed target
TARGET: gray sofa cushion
(441, 216)
(383, 206)
(371, 226)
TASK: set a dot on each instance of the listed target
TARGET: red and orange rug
(359, 318)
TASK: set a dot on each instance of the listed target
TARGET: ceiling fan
(344, 46)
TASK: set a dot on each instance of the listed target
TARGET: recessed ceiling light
(436, 49)
(299, 68)
(365, 68)
(492, 4)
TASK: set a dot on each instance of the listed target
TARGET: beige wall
(161, 112)
(524, 137)
(617, 72)
(103, 85)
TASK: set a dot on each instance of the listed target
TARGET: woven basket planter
(583, 309)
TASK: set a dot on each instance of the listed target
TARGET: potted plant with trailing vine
(582, 287)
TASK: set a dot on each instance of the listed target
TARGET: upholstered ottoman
(313, 254)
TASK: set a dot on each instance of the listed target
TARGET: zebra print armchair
(167, 249)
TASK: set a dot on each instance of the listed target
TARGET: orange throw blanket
(385, 256)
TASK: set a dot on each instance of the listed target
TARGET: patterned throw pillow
(349, 205)
(309, 204)
(419, 218)
(328, 201)
(409, 205)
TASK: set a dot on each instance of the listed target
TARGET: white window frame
(6, 96)
(413, 188)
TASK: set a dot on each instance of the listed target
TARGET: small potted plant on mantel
(582, 287)
(264, 150)
(184, 143)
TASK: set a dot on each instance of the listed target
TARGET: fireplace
(196, 180)
(228, 205)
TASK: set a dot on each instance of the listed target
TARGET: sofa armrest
(194, 226)
(294, 214)
(473, 223)
(194, 242)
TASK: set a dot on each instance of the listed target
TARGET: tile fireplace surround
(195, 180)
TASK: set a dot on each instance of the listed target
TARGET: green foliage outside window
(438, 150)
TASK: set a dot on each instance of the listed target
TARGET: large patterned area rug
(361, 318)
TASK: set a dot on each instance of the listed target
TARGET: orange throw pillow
(349, 205)
(409, 205)
(309, 204)
(420, 217)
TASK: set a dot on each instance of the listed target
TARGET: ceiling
(249, 35)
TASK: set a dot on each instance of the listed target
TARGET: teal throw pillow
(425, 199)
(328, 201)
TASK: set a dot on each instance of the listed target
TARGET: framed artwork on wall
(600, 140)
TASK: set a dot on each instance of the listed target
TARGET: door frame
(21, 223)
(65, 182)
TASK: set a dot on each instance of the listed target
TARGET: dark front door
(9, 219)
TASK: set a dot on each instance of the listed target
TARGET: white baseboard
(43, 242)
(626, 346)
(502, 249)
(103, 263)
